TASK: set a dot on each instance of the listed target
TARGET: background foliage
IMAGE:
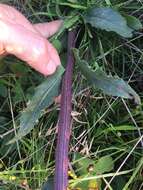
(104, 128)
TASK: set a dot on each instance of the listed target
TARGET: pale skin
(28, 42)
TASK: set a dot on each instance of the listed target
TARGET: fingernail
(51, 67)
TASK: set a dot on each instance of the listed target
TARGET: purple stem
(64, 125)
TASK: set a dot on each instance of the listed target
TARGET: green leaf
(83, 163)
(43, 97)
(18, 68)
(72, 3)
(108, 19)
(100, 166)
(109, 85)
(58, 45)
(133, 22)
(88, 185)
(68, 23)
(122, 128)
(104, 164)
(82, 166)
(119, 182)
(3, 90)
(48, 185)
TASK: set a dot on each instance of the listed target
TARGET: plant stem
(64, 125)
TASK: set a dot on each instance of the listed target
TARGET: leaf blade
(108, 19)
(133, 22)
(43, 97)
(109, 85)
(104, 164)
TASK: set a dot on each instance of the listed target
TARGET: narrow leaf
(43, 97)
(108, 19)
(122, 128)
(3, 90)
(109, 85)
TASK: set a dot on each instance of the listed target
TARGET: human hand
(27, 41)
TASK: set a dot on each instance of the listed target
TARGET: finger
(2, 51)
(30, 47)
(12, 15)
(25, 41)
(47, 29)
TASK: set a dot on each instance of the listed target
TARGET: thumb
(47, 29)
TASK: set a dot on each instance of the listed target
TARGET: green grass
(102, 125)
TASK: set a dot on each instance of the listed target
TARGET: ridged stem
(64, 125)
